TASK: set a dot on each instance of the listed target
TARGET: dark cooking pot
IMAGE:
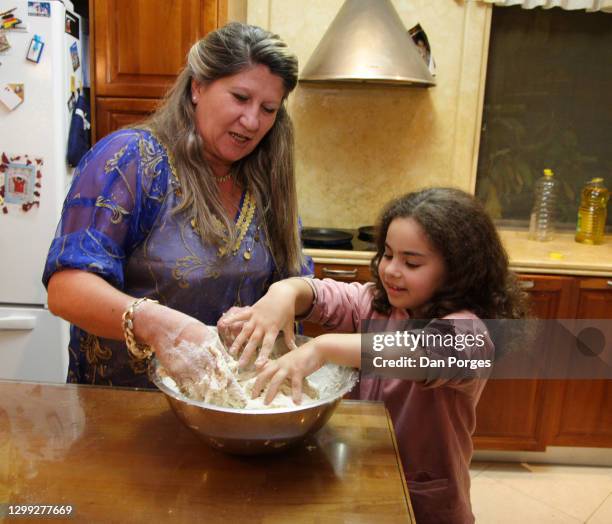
(367, 233)
(324, 237)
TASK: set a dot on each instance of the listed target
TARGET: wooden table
(121, 455)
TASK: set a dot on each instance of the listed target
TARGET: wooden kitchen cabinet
(343, 272)
(114, 113)
(594, 298)
(138, 49)
(532, 414)
(511, 413)
(583, 414)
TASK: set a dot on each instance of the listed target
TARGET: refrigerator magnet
(11, 95)
(35, 49)
(74, 55)
(13, 19)
(5, 45)
(21, 181)
(72, 24)
(39, 9)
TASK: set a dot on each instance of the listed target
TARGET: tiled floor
(540, 493)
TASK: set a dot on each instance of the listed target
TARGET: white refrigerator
(33, 342)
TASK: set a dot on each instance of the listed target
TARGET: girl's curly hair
(477, 275)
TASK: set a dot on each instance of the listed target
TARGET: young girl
(438, 257)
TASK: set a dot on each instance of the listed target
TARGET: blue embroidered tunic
(118, 221)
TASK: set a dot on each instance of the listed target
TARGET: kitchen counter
(118, 455)
(562, 255)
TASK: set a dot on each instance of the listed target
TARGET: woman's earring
(194, 99)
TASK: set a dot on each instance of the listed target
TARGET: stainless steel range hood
(367, 42)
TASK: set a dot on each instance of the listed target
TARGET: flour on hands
(216, 379)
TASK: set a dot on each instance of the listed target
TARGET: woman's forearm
(88, 301)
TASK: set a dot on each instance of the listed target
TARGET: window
(548, 103)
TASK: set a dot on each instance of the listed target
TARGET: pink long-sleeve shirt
(433, 422)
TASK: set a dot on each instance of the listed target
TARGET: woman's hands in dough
(180, 342)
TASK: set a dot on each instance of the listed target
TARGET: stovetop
(354, 245)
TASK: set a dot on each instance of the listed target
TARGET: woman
(196, 209)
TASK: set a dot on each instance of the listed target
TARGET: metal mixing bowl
(254, 431)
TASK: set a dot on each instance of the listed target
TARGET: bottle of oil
(542, 220)
(592, 213)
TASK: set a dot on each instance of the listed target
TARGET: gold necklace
(247, 212)
(223, 178)
(242, 224)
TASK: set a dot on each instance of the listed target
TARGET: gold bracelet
(139, 351)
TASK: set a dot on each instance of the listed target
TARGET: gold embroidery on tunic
(139, 367)
(118, 212)
(94, 351)
(150, 160)
(96, 241)
(174, 180)
(97, 356)
(183, 267)
(112, 163)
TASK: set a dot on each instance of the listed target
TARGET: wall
(236, 10)
(358, 147)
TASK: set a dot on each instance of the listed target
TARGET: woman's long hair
(477, 275)
(268, 171)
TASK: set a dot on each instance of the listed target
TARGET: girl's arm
(338, 306)
(261, 323)
(341, 349)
